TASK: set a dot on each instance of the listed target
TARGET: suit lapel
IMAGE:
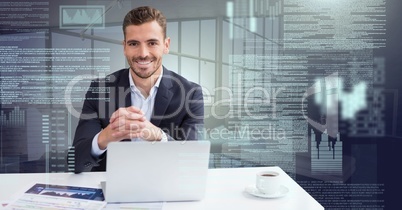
(127, 99)
(162, 98)
(123, 92)
(120, 90)
(125, 84)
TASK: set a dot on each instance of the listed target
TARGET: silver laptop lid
(156, 171)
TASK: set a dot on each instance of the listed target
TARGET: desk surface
(225, 189)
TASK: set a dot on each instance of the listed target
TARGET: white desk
(225, 189)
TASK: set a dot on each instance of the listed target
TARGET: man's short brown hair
(142, 15)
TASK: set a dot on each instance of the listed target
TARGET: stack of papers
(61, 197)
(46, 196)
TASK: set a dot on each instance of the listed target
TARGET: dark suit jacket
(178, 110)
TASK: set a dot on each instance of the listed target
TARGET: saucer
(251, 189)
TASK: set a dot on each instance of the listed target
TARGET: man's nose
(143, 51)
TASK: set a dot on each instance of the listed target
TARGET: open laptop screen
(156, 171)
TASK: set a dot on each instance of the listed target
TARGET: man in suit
(145, 102)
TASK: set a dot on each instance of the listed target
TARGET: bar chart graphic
(326, 154)
(13, 118)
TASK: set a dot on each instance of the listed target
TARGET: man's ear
(167, 45)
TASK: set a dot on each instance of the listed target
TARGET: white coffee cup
(268, 182)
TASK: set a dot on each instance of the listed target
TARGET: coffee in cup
(268, 182)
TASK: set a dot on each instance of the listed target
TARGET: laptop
(156, 171)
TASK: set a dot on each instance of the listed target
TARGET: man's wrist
(163, 136)
(101, 140)
(95, 150)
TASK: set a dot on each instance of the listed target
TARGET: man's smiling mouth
(144, 62)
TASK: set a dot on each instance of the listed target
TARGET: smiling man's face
(144, 46)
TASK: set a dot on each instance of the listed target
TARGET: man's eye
(132, 44)
(152, 43)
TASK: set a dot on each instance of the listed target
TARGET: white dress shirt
(138, 100)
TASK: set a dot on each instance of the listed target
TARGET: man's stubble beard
(141, 76)
(131, 62)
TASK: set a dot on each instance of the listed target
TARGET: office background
(311, 86)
